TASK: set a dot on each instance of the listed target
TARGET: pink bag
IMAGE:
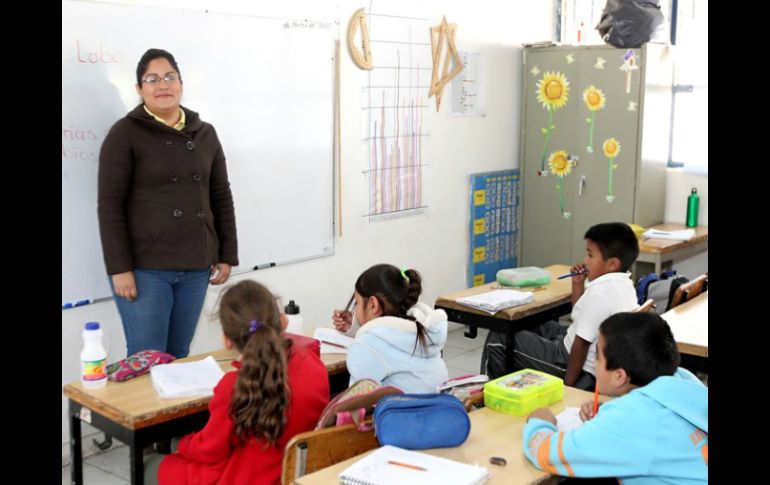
(354, 404)
(137, 364)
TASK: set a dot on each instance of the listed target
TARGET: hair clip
(403, 273)
(255, 324)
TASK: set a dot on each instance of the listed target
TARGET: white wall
(435, 242)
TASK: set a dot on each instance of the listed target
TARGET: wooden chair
(689, 290)
(313, 450)
(647, 306)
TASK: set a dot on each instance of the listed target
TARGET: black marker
(264, 266)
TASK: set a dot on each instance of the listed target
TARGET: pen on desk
(568, 275)
(264, 266)
(407, 465)
(596, 399)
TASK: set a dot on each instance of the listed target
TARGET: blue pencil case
(421, 421)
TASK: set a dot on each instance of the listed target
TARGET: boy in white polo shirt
(570, 352)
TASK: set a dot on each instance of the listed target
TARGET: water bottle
(295, 320)
(93, 358)
(693, 201)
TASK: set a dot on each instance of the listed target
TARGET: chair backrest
(689, 290)
(647, 306)
(313, 450)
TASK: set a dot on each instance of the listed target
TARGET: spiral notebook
(390, 465)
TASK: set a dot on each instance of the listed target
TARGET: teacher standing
(166, 213)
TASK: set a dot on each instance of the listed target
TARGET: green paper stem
(561, 194)
(609, 188)
(591, 132)
(547, 139)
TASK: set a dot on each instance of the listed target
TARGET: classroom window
(689, 137)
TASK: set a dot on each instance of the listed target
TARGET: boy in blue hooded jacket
(655, 431)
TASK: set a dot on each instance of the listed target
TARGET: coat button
(174, 178)
(196, 177)
(190, 145)
(177, 213)
(168, 144)
(201, 214)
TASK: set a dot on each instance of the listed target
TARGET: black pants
(540, 349)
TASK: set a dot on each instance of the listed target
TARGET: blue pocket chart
(494, 222)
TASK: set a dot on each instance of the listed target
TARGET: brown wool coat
(164, 199)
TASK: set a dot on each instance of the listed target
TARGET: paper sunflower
(552, 90)
(559, 164)
(611, 148)
(593, 98)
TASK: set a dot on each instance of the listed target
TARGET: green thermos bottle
(693, 201)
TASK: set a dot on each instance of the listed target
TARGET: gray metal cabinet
(556, 211)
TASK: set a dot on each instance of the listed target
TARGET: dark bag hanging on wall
(629, 23)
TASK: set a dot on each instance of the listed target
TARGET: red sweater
(211, 456)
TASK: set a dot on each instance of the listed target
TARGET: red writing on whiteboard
(100, 56)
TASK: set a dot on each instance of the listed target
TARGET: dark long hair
(250, 318)
(396, 292)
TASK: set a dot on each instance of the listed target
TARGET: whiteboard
(267, 86)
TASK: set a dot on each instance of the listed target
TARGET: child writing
(400, 340)
(276, 392)
(570, 352)
(655, 431)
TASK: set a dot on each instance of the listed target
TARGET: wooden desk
(658, 251)
(132, 412)
(689, 323)
(551, 302)
(492, 434)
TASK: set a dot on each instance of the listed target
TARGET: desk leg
(658, 264)
(76, 451)
(137, 464)
(510, 352)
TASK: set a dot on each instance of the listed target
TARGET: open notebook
(389, 465)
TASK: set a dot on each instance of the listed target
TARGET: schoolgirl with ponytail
(400, 339)
(275, 392)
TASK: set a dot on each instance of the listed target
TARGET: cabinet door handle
(581, 184)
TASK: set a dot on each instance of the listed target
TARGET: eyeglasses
(152, 79)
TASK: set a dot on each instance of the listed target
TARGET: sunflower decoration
(560, 164)
(611, 148)
(552, 92)
(594, 100)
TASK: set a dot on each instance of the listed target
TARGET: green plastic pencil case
(526, 276)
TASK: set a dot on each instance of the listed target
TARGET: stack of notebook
(496, 300)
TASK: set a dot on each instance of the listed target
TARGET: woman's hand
(342, 320)
(125, 285)
(220, 273)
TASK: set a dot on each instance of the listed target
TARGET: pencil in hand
(596, 400)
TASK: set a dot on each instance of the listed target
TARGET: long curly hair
(396, 292)
(251, 320)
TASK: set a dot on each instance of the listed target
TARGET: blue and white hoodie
(384, 350)
(655, 434)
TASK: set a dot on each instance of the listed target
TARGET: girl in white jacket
(400, 340)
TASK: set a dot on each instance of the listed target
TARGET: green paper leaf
(614, 166)
(545, 132)
(588, 120)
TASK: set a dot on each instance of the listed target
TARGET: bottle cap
(291, 309)
(92, 326)
(694, 190)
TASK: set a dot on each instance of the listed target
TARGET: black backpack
(660, 288)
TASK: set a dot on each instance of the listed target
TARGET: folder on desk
(390, 465)
(188, 379)
(496, 300)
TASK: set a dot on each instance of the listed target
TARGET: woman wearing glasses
(165, 212)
